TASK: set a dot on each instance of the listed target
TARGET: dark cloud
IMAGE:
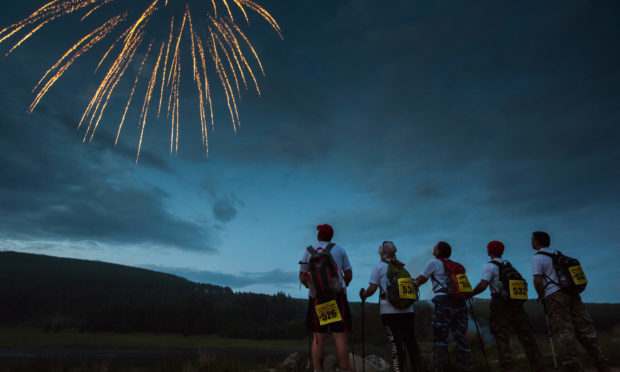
(277, 278)
(53, 187)
(224, 211)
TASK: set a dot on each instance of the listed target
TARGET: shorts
(312, 320)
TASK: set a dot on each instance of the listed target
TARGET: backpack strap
(311, 250)
(443, 288)
(547, 254)
(553, 257)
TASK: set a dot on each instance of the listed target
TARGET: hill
(56, 294)
(61, 293)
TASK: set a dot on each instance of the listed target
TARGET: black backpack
(401, 292)
(513, 287)
(571, 278)
(324, 281)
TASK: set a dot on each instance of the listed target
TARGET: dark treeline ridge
(70, 294)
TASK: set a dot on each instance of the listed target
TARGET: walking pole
(310, 350)
(363, 337)
(486, 360)
(555, 362)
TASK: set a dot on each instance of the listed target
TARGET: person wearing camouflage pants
(570, 322)
(567, 315)
(507, 318)
(450, 315)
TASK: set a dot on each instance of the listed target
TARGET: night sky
(410, 121)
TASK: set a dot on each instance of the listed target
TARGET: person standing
(507, 314)
(570, 321)
(399, 323)
(450, 313)
(326, 271)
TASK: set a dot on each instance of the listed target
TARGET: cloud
(276, 278)
(53, 187)
(224, 211)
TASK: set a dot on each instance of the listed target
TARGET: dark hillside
(61, 293)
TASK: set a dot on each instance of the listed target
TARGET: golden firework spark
(218, 35)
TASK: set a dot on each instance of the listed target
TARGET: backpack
(571, 278)
(324, 280)
(400, 291)
(513, 287)
(458, 283)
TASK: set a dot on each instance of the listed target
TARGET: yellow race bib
(579, 277)
(406, 289)
(518, 289)
(464, 285)
(328, 312)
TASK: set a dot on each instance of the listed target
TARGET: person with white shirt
(506, 316)
(570, 321)
(340, 328)
(399, 324)
(449, 315)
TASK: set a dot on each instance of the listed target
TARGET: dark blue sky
(404, 120)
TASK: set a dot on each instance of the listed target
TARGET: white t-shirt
(435, 270)
(490, 273)
(543, 265)
(378, 276)
(338, 254)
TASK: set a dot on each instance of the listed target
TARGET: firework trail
(217, 38)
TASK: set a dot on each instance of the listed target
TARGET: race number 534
(406, 289)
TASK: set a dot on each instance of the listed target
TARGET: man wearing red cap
(337, 257)
(507, 316)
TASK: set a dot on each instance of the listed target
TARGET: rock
(330, 363)
(378, 363)
(292, 362)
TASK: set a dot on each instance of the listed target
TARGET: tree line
(58, 294)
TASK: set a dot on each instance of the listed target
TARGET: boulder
(292, 362)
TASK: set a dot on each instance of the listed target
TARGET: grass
(104, 352)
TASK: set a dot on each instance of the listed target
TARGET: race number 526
(328, 312)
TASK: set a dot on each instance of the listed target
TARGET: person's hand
(363, 294)
(468, 294)
(304, 280)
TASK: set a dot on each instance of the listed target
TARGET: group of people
(325, 269)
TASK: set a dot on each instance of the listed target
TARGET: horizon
(411, 122)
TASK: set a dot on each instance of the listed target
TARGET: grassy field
(31, 349)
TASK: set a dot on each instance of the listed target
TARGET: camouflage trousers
(450, 316)
(570, 321)
(507, 318)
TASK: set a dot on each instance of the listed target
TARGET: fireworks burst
(216, 42)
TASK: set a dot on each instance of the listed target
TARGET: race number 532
(518, 289)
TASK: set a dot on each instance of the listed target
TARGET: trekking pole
(473, 314)
(363, 336)
(555, 362)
